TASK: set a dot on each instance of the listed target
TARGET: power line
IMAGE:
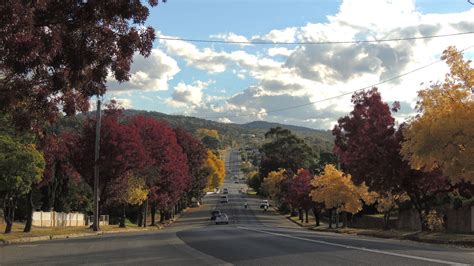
(314, 43)
(339, 95)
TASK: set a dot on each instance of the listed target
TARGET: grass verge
(465, 240)
(43, 233)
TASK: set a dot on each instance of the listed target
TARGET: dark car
(214, 214)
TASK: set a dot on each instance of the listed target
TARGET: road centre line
(356, 248)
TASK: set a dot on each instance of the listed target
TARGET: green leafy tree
(21, 166)
(285, 151)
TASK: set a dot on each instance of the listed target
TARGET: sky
(238, 83)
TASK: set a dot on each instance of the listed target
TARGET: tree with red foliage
(299, 193)
(59, 171)
(167, 173)
(196, 154)
(121, 151)
(365, 141)
(368, 147)
(60, 52)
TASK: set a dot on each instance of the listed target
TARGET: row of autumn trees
(143, 162)
(54, 57)
(425, 162)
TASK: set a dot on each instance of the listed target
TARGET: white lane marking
(357, 248)
(27, 245)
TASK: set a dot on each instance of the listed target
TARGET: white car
(222, 219)
(264, 204)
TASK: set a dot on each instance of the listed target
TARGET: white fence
(57, 219)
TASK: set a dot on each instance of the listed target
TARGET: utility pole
(96, 226)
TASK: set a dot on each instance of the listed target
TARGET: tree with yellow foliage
(209, 137)
(442, 135)
(131, 190)
(337, 191)
(217, 171)
(388, 202)
(202, 132)
(272, 184)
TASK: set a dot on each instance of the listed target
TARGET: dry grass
(17, 232)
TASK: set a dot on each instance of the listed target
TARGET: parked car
(224, 199)
(225, 191)
(222, 219)
(214, 214)
(264, 203)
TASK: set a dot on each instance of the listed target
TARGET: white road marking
(27, 245)
(357, 248)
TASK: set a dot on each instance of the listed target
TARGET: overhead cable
(262, 42)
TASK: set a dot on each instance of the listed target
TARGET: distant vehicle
(236, 182)
(235, 177)
(214, 214)
(222, 219)
(225, 191)
(224, 199)
(264, 204)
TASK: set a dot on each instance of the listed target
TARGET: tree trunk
(162, 216)
(337, 218)
(330, 218)
(9, 213)
(316, 215)
(29, 210)
(122, 220)
(386, 220)
(300, 214)
(145, 211)
(344, 219)
(306, 214)
(153, 213)
(140, 216)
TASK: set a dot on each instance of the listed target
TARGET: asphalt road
(253, 237)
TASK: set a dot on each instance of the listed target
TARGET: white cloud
(188, 94)
(278, 35)
(298, 75)
(148, 74)
(276, 51)
(224, 120)
(123, 102)
(232, 37)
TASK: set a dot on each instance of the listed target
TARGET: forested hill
(242, 134)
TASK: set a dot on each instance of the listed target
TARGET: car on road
(224, 199)
(225, 191)
(264, 203)
(222, 219)
(214, 214)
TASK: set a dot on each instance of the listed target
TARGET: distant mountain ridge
(323, 139)
(268, 125)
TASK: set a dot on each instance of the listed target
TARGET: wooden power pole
(96, 225)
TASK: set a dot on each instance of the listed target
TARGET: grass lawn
(17, 232)
(310, 224)
(429, 237)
